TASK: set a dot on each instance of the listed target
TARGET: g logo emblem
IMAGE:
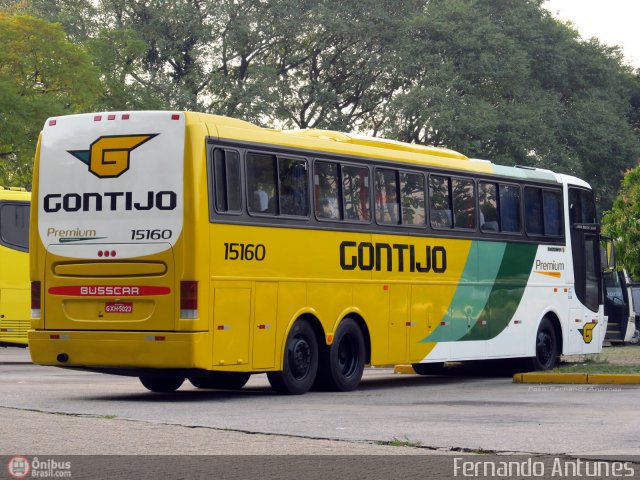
(109, 156)
(587, 332)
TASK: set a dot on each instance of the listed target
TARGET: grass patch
(108, 417)
(399, 442)
(597, 367)
(619, 359)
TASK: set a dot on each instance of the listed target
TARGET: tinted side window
(412, 199)
(552, 211)
(294, 187)
(581, 206)
(533, 211)
(326, 183)
(440, 202)
(489, 218)
(386, 197)
(14, 225)
(509, 197)
(226, 165)
(355, 193)
(464, 203)
(261, 183)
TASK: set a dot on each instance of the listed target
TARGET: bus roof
(328, 141)
(14, 193)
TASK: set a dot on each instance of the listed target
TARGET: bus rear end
(110, 289)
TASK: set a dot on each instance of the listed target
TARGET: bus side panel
(264, 325)
(231, 317)
(372, 302)
(398, 323)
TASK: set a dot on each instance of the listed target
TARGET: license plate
(118, 307)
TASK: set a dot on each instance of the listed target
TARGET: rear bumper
(105, 350)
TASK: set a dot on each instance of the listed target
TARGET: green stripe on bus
(481, 309)
(507, 292)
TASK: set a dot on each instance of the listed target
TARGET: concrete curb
(571, 378)
(404, 370)
(578, 378)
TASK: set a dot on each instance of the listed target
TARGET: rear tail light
(188, 299)
(35, 300)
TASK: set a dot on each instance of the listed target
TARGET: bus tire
(161, 382)
(546, 347)
(342, 364)
(220, 380)
(300, 363)
(436, 368)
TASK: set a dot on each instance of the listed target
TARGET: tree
(622, 223)
(496, 79)
(503, 80)
(41, 75)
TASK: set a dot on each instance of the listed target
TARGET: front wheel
(300, 363)
(546, 347)
(161, 382)
(220, 380)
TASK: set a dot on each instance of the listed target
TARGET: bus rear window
(14, 226)
(227, 181)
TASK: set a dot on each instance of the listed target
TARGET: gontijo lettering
(109, 201)
(394, 257)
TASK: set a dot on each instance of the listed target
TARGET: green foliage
(41, 75)
(496, 79)
(622, 223)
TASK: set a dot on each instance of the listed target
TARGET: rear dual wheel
(300, 363)
(161, 382)
(342, 363)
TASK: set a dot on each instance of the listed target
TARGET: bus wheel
(546, 347)
(300, 361)
(436, 368)
(342, 364)
(222, 380)
(161, 382)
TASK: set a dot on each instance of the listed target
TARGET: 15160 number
(151, 234)
(244, 251)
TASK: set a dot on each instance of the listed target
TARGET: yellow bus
(179, 245)
(14, 266)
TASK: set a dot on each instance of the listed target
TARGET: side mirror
(607, 254)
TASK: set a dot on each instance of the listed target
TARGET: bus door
(585, 247)
(616, 306)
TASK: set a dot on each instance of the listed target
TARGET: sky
(614, 22)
